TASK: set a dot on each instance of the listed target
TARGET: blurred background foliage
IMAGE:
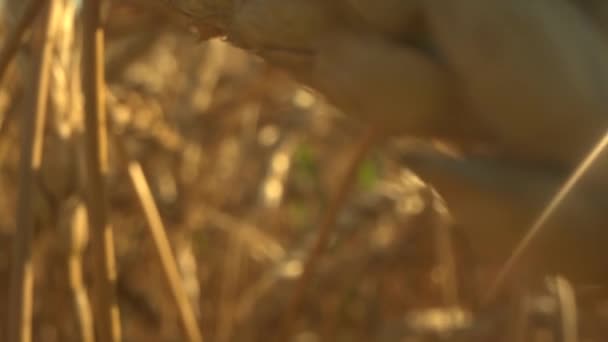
(242, 162)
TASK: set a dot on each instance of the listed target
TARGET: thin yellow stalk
(165, 254)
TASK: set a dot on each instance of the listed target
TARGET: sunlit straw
(549, 210)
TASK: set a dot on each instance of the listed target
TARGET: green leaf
(368, 175)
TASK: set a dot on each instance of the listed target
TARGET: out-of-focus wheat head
(59, 163)
(64, 46)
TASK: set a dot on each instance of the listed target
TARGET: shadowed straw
(96, 159)
(16, 36)
(33, 122)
